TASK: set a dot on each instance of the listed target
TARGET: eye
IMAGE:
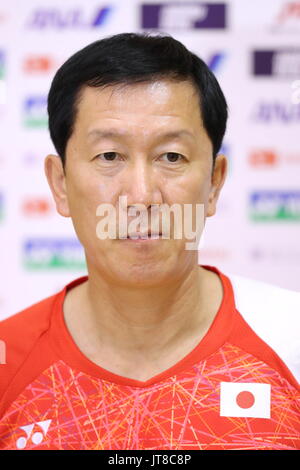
(109, 156)
(174, 155)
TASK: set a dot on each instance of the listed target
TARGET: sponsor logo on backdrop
(53, 253)
(283, 63)
(215, 61)
(269, 158)
(276, 112)
(38, 64)
(288, 18)
(263, 158)
(36, 206)
(191, 15)
(57, 18)
(281, 255)
(272, 205)
(35, 111)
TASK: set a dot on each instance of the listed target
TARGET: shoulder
(18, 335)
(274, 315)
(31, 319)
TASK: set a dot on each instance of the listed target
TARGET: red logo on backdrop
(289, 10)
(36, 206)
(41, 63)
(263, 158)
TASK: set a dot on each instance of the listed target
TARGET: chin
(141, 273)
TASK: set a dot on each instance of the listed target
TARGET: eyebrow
(104, 134)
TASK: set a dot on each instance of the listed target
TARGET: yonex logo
(33, 437)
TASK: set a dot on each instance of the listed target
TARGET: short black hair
(129, 58)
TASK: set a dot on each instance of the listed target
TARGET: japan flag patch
(245, 400)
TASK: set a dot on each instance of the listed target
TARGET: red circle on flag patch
(245, 399)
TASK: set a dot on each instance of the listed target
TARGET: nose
(142, 185)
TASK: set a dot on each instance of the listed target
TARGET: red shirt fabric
(232, 391)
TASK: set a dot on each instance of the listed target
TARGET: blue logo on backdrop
(215, 61)
(276, 111)
(190, 15)
(43, 18)
(35, 111)
(272, 205)
(283, 63)
(53, 253)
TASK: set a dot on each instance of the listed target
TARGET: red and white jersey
(237, 389)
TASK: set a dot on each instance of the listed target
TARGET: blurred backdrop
(253, 47)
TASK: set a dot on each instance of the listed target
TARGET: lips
(144, 235)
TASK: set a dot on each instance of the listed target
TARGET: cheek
(105, 192)
(190, 190)
(87, 193)
(85, 197)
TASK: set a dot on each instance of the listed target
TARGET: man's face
(141, 164)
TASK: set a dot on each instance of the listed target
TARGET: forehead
(159, 102)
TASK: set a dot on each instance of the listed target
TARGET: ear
(217, 181)
(57, 181)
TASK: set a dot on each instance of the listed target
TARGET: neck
(146, 321)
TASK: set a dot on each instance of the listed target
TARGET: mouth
(144, 236)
